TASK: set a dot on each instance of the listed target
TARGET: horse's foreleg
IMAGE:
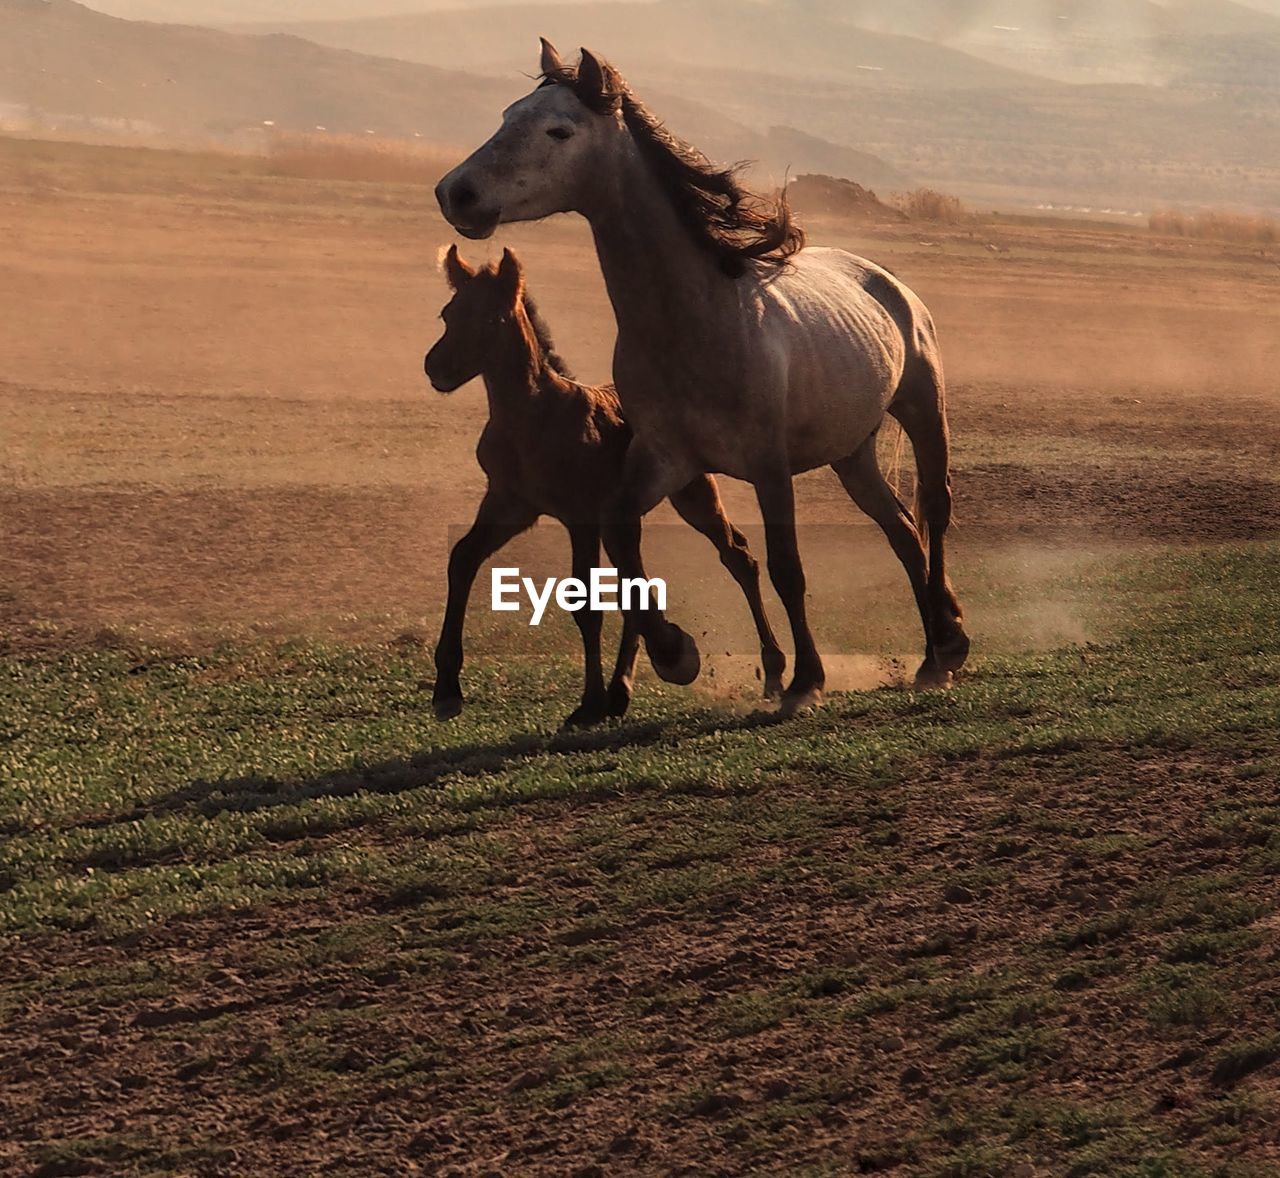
(645, 483)
(778, 508)
(860, 473)
(700, 507)
(586, 552)
(497, 521)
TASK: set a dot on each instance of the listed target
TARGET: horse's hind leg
(860, 473)
(920, 406)
(778, 509)
(699, 506)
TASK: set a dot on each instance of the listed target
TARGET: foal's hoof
(684, 668)
(797, 703)
(950, 654)
(773, 688)
(447, 707)
(585, 716)
(618, 700)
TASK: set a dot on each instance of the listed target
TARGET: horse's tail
(894, 476)
(922, 516)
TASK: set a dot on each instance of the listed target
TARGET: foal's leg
(699, 506)
(861, 476)
(778, 508)
(585, 539)
(498, 520)
(645, 483)
(920, 405)
(624, 670)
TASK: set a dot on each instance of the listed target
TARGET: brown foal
(553, 447)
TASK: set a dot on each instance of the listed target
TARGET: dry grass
(1216, 224)
(322, 156)
(927, 204)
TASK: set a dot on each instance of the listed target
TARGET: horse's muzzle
(460, 203)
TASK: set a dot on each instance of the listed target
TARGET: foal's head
(484, 301)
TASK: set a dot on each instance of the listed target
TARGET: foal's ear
(455, 269)
(551, 63)
(511, 276)
(594, 88)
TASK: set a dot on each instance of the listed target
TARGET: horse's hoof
(448, 707)
(931, 677)
(684, 668)
(797, 703)
(950, 654)
(585, 716)
(618, 700)
(773, 688)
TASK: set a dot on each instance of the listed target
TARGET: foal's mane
(732, 223)
(542, 338)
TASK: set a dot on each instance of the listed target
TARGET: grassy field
(262, 915)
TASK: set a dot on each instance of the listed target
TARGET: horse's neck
(664, 287)
(516, 374)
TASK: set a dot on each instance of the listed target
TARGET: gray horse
(740, 351)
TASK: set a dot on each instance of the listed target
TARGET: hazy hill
(225, 12)
(63, 61)
(68, 65)
(691, 34)
(957, 20)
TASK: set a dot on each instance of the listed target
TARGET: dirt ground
(212, 410)
(213, 417)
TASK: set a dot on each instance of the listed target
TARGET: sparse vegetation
(1216, 224)
(927, 204)
(323, 156)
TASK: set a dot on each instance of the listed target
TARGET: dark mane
(542, 333)
(733, 224)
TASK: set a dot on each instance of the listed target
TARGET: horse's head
(483, 301)
(544, 158)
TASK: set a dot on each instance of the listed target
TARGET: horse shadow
(254, 793)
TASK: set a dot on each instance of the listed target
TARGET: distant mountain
(689, 34)
(227, 12)
(63, 64)
(1065, 40)
(950, 20)
(59, 60)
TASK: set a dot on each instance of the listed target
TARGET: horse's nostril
(463, 196)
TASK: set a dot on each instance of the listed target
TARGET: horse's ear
(551, 63)
(511, 276)
(455, 269)
(594, 87)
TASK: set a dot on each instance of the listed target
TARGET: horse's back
(836, 283)
(843, 330)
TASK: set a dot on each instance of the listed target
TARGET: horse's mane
(732, 223)
(542, 336)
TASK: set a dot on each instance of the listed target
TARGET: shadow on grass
(252, 793)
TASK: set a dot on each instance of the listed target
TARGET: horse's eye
(561, 133)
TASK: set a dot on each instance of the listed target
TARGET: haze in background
(213, 12)
(1126, 104)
